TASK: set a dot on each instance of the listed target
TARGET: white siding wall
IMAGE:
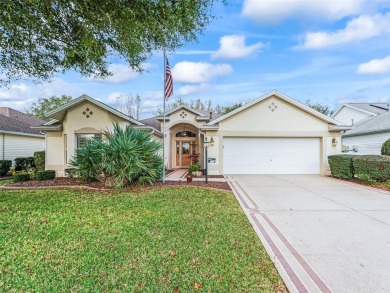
(367, 144)
(15, 146)
(346, 114)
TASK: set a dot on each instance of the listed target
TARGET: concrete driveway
(324, 235)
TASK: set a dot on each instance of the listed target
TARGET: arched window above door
(185, 134)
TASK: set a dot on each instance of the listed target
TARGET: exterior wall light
(212, 141)
(334, 141)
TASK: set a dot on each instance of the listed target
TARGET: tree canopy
(198, 104)
(41, 38)
(324, 109)
(43, 105)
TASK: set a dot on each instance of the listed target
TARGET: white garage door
(271, 155)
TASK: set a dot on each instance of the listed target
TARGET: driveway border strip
(307, 268)
(289, 270)
(282, 261)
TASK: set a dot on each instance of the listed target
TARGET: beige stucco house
(274, 134)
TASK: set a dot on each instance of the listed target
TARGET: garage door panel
(271, 155)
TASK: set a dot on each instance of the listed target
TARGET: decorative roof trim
(283, 97)
(93, 101)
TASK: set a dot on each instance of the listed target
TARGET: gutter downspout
(3, 146)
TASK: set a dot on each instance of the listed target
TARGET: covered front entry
(185, 142)
(284, 155)
(183, 150)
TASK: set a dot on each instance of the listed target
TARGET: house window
(185, 134)
(83, 138)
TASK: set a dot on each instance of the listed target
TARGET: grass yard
(163, 240)
(6, 181)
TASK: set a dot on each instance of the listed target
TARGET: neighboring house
(370, 127)
(352, 113)
(17, 139)
(272, 135)
(367, 136)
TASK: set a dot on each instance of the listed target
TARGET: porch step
(177, 175)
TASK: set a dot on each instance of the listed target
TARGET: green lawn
(168, 240)
(3, 182)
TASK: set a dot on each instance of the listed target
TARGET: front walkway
(323, 234)
(180, 175)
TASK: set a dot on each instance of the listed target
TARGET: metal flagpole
(165, 77)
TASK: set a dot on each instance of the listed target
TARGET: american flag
(168, 82)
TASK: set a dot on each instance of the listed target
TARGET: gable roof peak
(60, 111)
(282, 97)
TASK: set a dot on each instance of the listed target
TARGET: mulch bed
(377, 185)
(74, 182)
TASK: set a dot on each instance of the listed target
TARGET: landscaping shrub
(376, 167)
(21, 176)
(46, 175)
(24, 163)
(341, 166)
(39, 160)
(32, 172)
(193, 168)
(70, 172)
(5, 166)
(124, 156)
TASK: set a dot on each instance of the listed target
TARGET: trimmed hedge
(20, 177)
(46, 175)
(341, 166)
(24, 163)
(5, 166)
(376, 167)
(39, 160)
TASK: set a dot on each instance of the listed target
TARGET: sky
(329, 51)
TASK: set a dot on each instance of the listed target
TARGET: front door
(183, 150)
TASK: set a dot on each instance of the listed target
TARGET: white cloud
(199, 72)
(194, 52)
(192, 89)
(120, 73)
(375, 66)
(358, 29)
(112, 98)
(21, 95)
(233, 46)
(274, 11)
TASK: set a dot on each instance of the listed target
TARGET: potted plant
(194, 170)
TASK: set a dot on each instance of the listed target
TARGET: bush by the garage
(21, 176)
(376, 167)
(24, 163)
(39, 160)
(46, 175)
(341, 166)
(5, 166)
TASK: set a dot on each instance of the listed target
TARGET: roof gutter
(366, 133)
(22, 133)
(153, 130)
